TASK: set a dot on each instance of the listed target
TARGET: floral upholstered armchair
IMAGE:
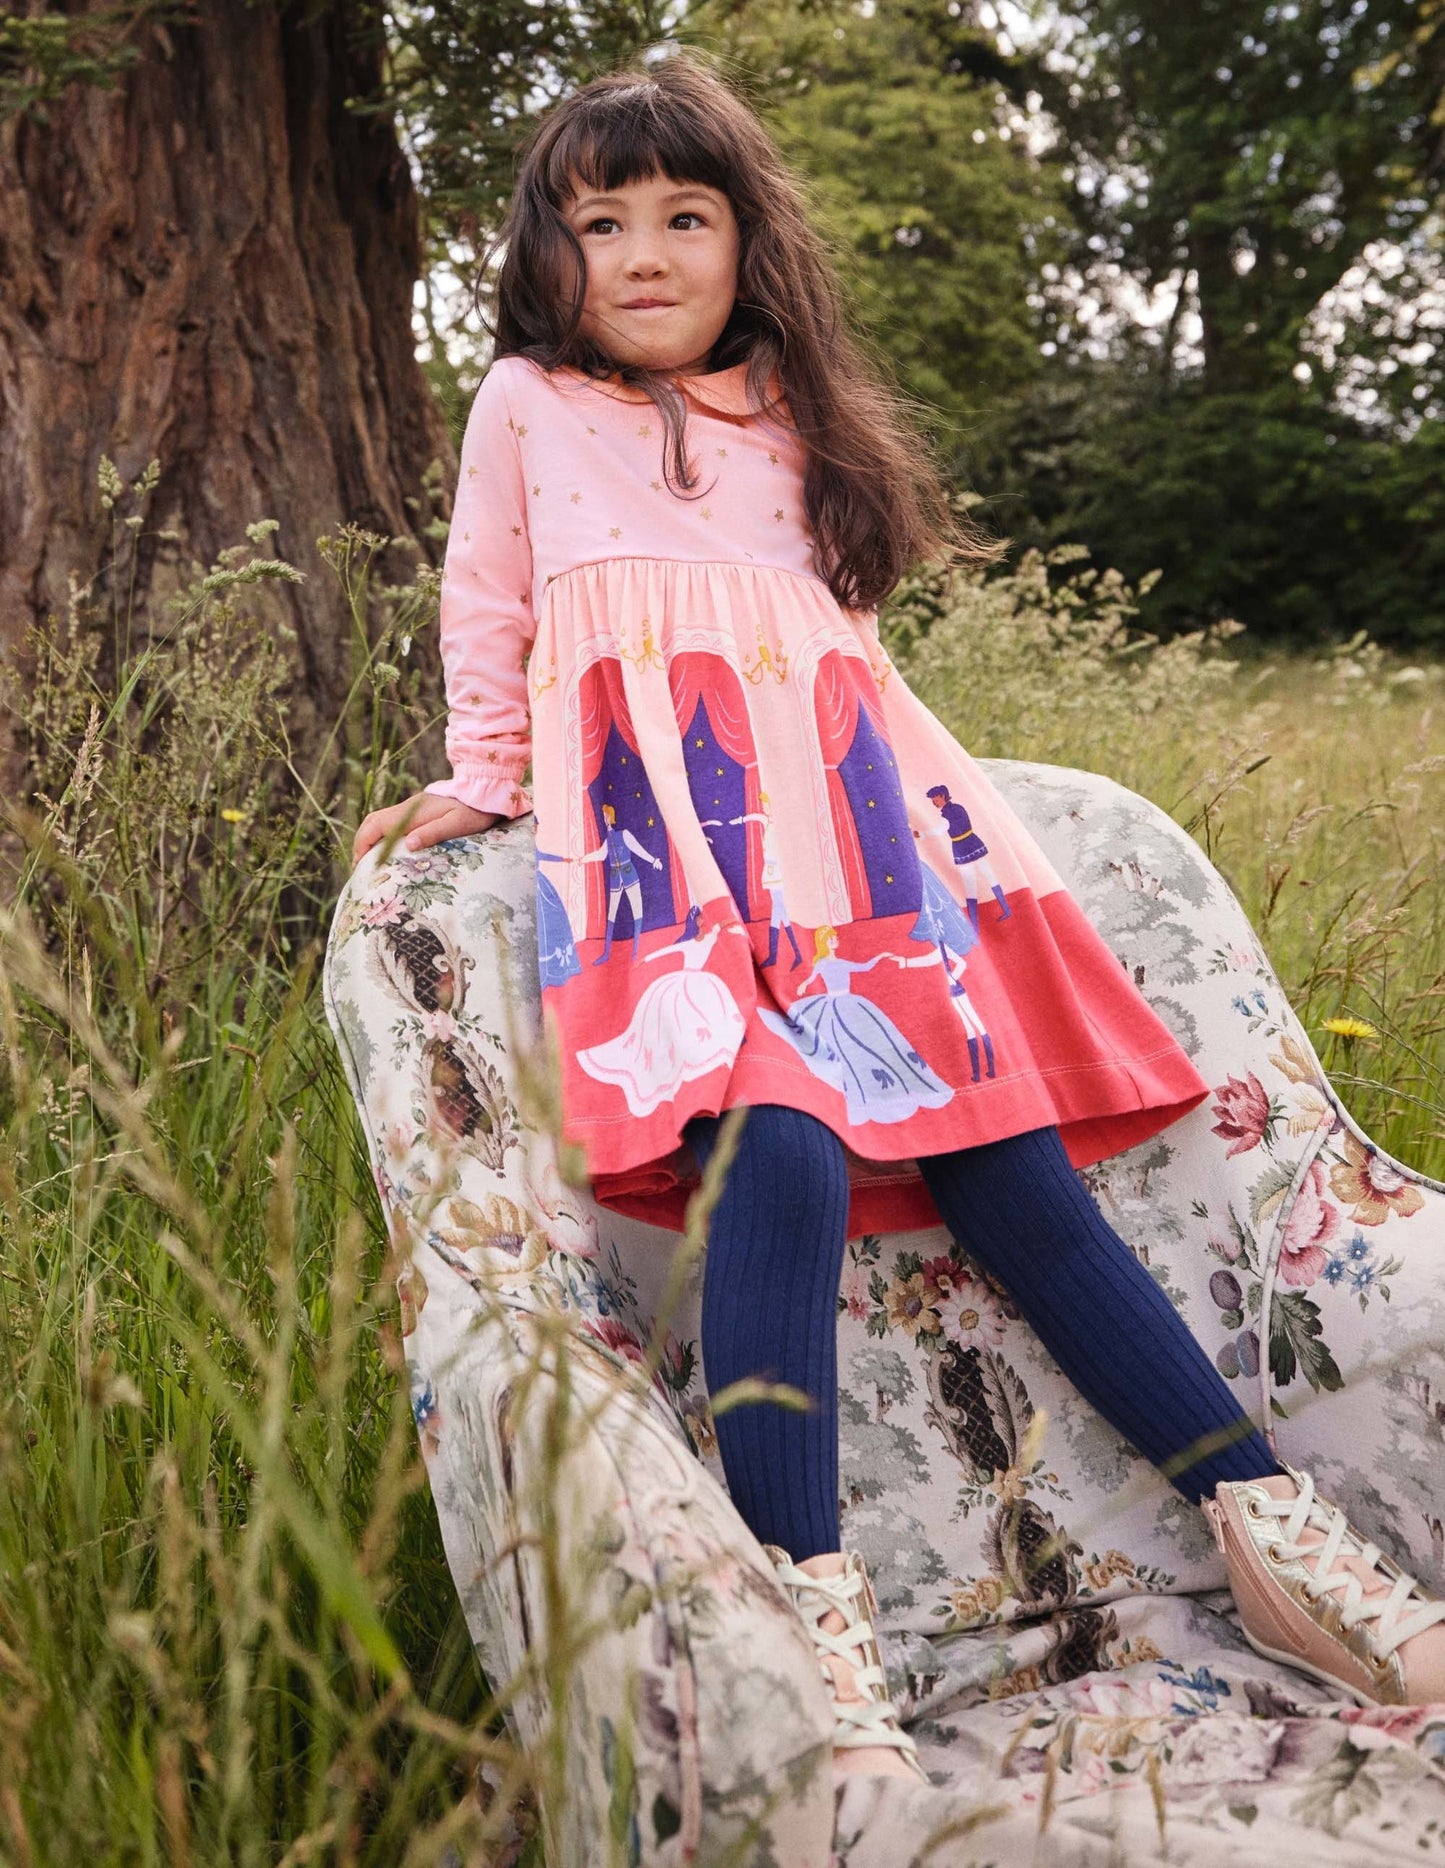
(1058, 1636)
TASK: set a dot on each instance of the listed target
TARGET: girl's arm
(487, 623)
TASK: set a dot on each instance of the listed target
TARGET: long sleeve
(487, 621)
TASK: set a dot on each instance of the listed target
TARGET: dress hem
(1104, 1109)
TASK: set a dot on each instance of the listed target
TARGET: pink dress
(765, 870)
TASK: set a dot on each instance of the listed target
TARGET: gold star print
(516, 531)
(772, 457)
(699, 742)
(510, 422)
(870, 804)
(645, 430)
(650, 822)
(536, 486)
(521, 431)
(656, 485)
(575, 498)
(590, 429)
(614, 531)
(707, 512)
(887, 878)
(467, 536)
(471, 473)
(779, 513)
(723, 453)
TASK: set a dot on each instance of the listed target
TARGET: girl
(684, 493)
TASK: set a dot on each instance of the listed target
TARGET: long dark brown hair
(874, 497)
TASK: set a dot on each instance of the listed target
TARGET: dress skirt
(767, 873)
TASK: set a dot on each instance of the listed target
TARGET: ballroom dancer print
(851, 1044)
(970, 851)
(556, 946)
(685, 1024)
(772, 880)
(621, 878)
(943, 922)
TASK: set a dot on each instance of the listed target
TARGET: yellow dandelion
(233, 817)
(1349, 1027)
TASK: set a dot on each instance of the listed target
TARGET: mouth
(649, 304)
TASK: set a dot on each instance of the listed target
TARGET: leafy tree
(1253, 156)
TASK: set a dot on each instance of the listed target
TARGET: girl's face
(662, 268)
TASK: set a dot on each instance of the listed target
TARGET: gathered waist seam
(645, 557)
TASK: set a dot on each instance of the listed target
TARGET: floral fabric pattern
(1053, 1615)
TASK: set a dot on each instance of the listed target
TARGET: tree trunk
(213, 265)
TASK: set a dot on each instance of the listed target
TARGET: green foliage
(1262, 148)
(1266, 506)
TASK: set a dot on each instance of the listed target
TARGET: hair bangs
(631, 134)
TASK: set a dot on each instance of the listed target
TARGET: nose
(645, 256)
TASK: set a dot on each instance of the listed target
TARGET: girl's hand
(419, 822)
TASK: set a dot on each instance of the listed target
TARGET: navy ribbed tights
(1019, 1209)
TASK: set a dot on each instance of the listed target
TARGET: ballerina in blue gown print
(942, 921)
(853, 1046)
(969, 851)
(556, 947)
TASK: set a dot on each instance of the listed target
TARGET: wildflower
(1359, 1249)
(1336, 1270)
(1349, 1027)
(230, 816)
(1362, 1279)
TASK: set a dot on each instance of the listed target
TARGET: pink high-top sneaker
(1313, 1593)
(838, 1610)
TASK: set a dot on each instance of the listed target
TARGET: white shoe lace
(869, 1721)
(1394, 1626)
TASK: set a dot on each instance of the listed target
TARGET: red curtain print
(697, 676)
(603, 705)
(837, 697)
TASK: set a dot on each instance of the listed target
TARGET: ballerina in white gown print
(851, 1044)
(685, 1024)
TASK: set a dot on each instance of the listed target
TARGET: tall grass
(227, 1630)
(1314, 780)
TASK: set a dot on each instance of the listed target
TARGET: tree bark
(213, 265)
